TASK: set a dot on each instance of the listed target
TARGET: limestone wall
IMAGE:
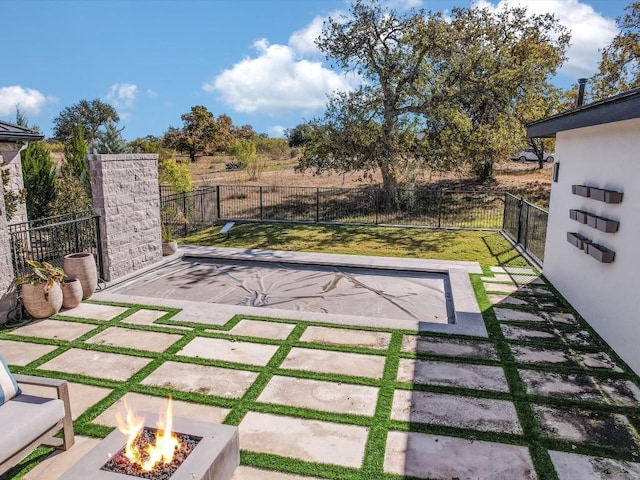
(11, 155)
(6, 266)
(125, 195)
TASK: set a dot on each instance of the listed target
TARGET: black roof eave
(20, 137)
(621, 107)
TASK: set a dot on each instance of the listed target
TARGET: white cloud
(303, 41)
(276, 131)
(590, 31)
(275, 82)
(404, 4)
(122, 95)
(151, 93)
(27, 99)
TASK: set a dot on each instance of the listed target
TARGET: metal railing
(526, 225)
(50, 239)
(183, 213)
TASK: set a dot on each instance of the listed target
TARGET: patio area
(541, 397)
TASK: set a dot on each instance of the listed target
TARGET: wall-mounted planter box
(612, 197)
(592, 221)
(581, 217)
(581, 190)
(600, 253)
(573, 214)
(606, 225)
(577, 240)
(597, 194)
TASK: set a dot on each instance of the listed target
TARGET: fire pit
(179, 449)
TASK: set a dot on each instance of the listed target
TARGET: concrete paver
(543, 333)
(229, 350)
(308, 440)
(571, 466)
(452, 347)
(248, 473)
(22, 353)
(221, 382)
(321, 395)
(455, 411)
(436, 456)
(54, 329)
(583, 426)
(346, 337)
(144, 317)
(513, 270)
(135, 339)
(427, 372)
(325, 361)
(534, 354)
(260, 329)
(94, 311)
(81, 396)
(512, 315)
(512, 288)
(113, 366)
(148, 403)
(54, 466)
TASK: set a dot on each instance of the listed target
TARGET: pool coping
(468, 317)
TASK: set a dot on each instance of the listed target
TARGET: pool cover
(340, 290)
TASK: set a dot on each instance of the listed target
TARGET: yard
(541, 397)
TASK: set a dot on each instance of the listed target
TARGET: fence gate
(50, 239)
(526, 225)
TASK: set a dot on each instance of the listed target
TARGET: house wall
(606, 295)
(7, 300)
(10, 152)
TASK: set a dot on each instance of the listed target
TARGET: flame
(161, 451)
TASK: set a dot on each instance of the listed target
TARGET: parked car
(529, 155)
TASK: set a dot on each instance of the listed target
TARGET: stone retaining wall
(125, 195)
(6, 266)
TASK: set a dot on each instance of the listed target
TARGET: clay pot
(169, 248)
(40, 300)
(83, 267)
(71, 293)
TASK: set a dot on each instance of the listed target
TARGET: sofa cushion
(24, 418)
(8, 386)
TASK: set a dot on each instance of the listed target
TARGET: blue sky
(253, 60)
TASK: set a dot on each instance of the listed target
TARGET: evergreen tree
(75, 159)
(39, 175)
(110, 141)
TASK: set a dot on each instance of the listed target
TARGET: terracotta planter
(41, 301)
(169, 248)
(83, 267)
(71, 293)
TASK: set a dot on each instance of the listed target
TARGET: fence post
(504, 211)
(526, 229)
(218, 202)
(317, 205)
(520, 205)
(260, 202)
(184, 212)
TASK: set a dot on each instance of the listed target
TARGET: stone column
(10, 152)
(125, 195)
(6, 265)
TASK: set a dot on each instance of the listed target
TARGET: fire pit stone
(216, 456)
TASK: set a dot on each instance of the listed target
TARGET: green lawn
(486, 247)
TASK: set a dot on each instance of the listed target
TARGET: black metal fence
(183, 213)
(50, 239)
(526, 225)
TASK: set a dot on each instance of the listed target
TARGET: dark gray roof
(10, 132)
(623, 106)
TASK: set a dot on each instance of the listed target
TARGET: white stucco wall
(606, 295)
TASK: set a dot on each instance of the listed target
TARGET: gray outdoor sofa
(27, 421)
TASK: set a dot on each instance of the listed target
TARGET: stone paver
(533, 354)
(598, 360)
(94, 312)
(426, 372)
(81, 396)
(248, 473)
(221, 382)
(562, 318)
(54, 329)
(582, 426)
(138, 403)
(620, 392)
(308, 440)
(513, 332)
(455, 411)
(229, 351)
(144, 317)
(513, 270)
(511, 315)
(256, 328)
(451, 347)
(345, 337)
(580, 338)
(571, 466)
(517, 279)
(54, 466)
(325, 361)
(523, 300)
(321, 395)
(113, 366)
(135, 339)
(436, 456)
(512, 288)
(22, 353)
